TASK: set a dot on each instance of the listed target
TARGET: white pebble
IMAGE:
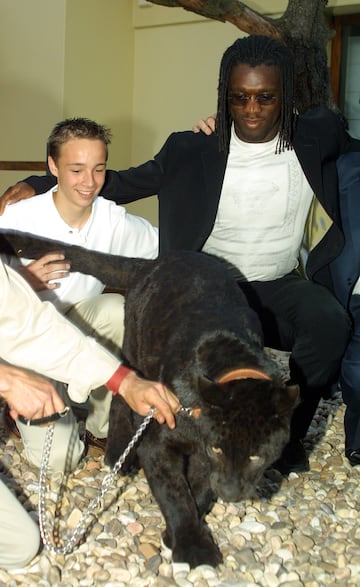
(252, 527)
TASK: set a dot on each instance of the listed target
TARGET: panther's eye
(256, 461)
(216, 450)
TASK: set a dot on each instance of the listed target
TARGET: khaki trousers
(19, 534)
(103, 318)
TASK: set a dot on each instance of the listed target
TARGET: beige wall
(63, 58)
(31, 78)
(142, 71)
(99, 67)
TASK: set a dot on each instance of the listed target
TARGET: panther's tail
(113, 270)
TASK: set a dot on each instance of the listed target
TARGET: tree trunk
(303, 27)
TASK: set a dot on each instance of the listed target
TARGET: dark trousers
(304, 318)
(350, 379)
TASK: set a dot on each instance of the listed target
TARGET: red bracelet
(115, 381)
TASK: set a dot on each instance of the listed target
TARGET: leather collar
(242, 374)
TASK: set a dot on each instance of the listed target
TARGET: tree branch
(302, 27)
(233, 11)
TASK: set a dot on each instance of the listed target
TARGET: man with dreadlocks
(244, 193)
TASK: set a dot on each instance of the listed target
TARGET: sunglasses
(243, 99)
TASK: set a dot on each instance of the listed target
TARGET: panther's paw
(198, 550)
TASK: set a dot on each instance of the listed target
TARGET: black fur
(186, 324)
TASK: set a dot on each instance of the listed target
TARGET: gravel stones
(302, 531)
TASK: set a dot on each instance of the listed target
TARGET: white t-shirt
(264, 204)
(110, 229)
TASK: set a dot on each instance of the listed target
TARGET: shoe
(353, 456)
(293, 459)
(9, 423)
(94, 445)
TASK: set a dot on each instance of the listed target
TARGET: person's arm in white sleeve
(35, 336)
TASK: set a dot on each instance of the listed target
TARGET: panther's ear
(210, 392)
(287, 399)
(213, 394)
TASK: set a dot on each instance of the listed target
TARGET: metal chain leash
(107, 482)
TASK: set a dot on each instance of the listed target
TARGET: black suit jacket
(345, 269)
(187, 175)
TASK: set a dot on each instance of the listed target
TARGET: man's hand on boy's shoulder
(15, 193)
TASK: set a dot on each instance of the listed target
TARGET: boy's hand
(49, 267)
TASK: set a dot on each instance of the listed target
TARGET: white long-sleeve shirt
(34, 335)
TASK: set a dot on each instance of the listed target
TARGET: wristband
(115, 381)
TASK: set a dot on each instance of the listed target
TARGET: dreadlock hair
(76, 128)
(257, 50)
